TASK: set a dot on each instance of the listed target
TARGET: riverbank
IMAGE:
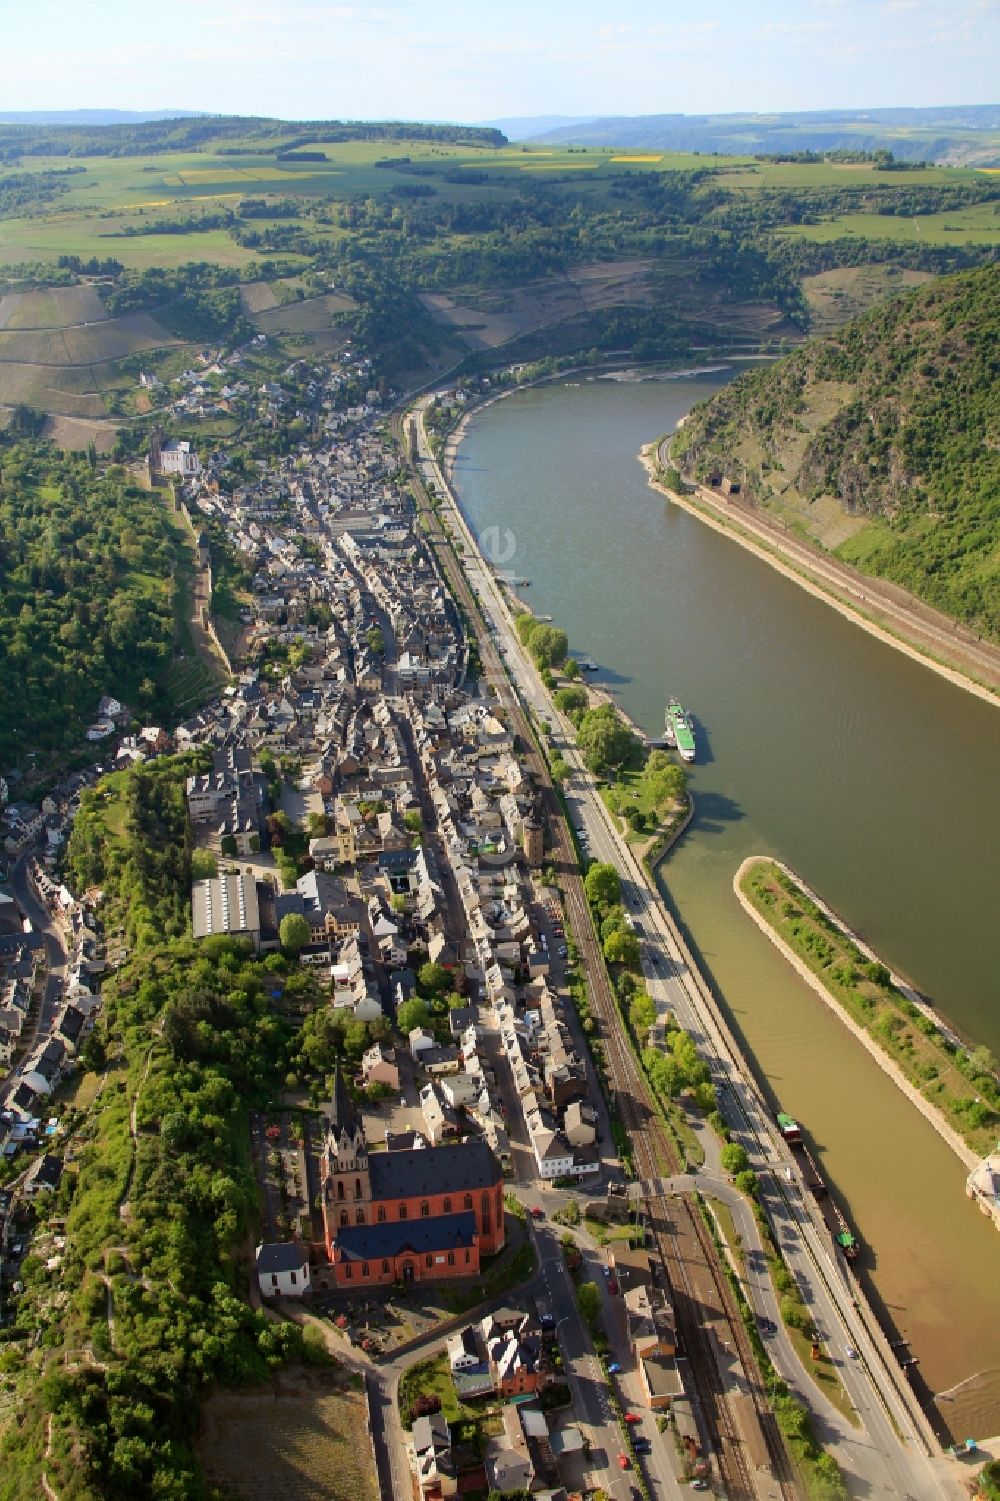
(835, 996)
(628, 374)
(846, 790)
(903, 623)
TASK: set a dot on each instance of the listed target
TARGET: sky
(470, 60)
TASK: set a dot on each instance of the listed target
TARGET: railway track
(704, 1302)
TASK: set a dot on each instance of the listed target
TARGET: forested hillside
(87, 568)
(897, 417)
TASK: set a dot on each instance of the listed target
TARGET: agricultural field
(484, 320)
(819, 175)
(464, 249)
(977, 224)
(51, 307)
(84, 344)
(304, 1439)
(68, 392)
(112, 195)
(311, 315)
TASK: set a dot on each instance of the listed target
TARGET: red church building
(416, 1215)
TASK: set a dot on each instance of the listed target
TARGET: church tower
(347, 1189)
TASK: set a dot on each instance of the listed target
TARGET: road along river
(866, 772)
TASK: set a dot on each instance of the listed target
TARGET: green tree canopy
(605, 739)
(204, 865)
(571, 700)
(734, 1158)
(412, 1013)
(642, 1011)
(602, 885)
(588, 1298)
(622, 947)
(294, 932)
(433, 979)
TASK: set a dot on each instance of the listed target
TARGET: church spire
(343, 1116)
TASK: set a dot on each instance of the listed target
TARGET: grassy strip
(961, 1085)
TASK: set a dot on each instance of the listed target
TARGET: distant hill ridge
(956, 134)
(897, 417)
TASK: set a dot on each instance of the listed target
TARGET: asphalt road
(55, 960)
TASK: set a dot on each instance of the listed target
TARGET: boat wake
(949, 1395)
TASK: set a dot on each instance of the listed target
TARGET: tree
(602, 885)
(664, 1073)
(613, 921)
(605, 739)
(93, 1054)
(571, 668)
(203, 865)
(642, 1011)
(294, 932)
(560, 769)
(412, 1013)
(413, 821)
(734, 1158)
(588, 1298)
(376, 640)
(746, 1182)
(548, 645)
(433, 979)
(694, 1069)
(569, 700)
(982, 1064)
(622, 947)
(397, 902)
(317, 825)
(525, 625)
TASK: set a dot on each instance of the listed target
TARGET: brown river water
(866, 772)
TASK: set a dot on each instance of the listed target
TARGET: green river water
(866, 772)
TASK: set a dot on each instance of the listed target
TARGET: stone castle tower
(534, 848)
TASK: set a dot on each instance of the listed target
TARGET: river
(866, 772)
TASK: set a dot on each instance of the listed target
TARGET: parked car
(614, 1368)
(562, 951)
(537, 1213)
(632, 1417)
(606, 1270)
(643, 1446)
(624, 1462)
(699, 1485)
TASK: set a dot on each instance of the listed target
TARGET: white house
(463, 1349)
(420, 1041)
(282, 1269)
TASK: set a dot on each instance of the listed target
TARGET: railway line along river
(817, 743)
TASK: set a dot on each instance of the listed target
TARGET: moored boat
(678, 724)
(790, 1129)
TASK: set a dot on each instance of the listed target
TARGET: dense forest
(898, 416)
(87, 568)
